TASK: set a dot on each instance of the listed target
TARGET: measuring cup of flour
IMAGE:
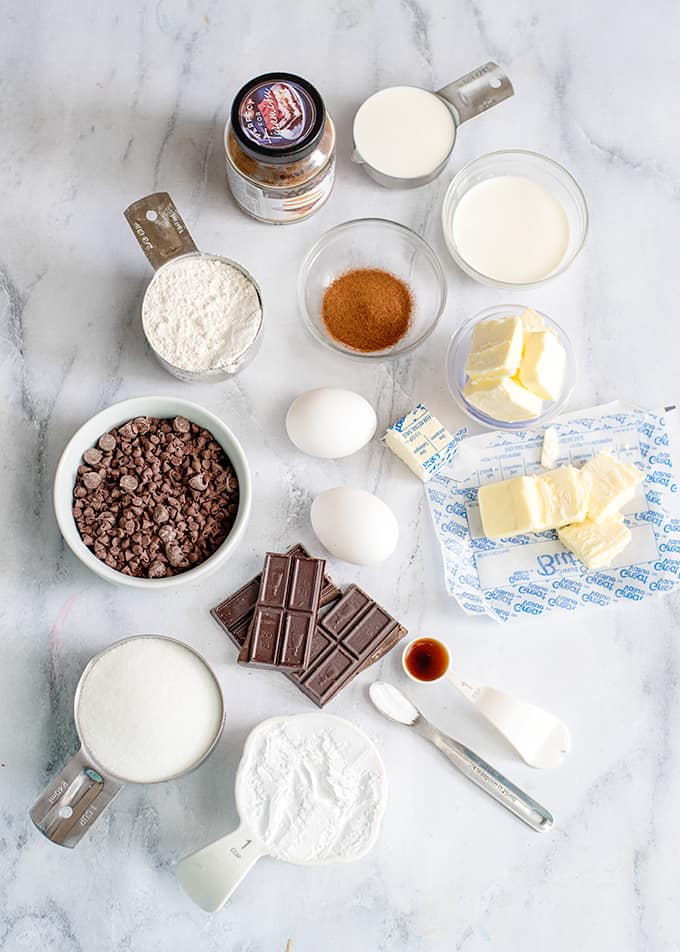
(147, 709)
(310, 790)
(404, 135)
(201, 314)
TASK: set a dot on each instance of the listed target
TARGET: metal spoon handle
(491, 781)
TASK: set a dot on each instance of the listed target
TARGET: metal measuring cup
(467, 97)
(164, 238)
(83, 789)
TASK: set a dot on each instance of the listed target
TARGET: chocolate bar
(354, 634)
(284, 618)
(235, 613)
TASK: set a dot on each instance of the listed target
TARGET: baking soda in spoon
(540, 738)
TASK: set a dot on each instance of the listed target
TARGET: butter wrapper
(534, 574)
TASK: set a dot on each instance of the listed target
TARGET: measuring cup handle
(159, 228)
(477, 91)
(71, 803)
(211, 875)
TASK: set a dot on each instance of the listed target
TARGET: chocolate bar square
(284, 618)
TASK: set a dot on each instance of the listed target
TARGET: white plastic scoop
(310, 790)
(540, 738)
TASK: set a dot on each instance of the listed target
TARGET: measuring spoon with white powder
(201, 314)
(147, 709)
(310, 789)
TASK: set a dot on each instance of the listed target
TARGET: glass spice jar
(280, 148)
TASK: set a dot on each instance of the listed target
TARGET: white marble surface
(102, 103)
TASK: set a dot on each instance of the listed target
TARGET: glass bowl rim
(484, 278)
(391, 225)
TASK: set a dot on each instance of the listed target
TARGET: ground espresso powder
(367, 309)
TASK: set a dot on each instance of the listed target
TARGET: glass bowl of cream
(514, 219)
(512, 395)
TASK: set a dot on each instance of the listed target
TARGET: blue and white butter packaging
(533, 574)
(422, 442)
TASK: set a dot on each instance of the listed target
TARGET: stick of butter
(503, 398)
(495, 348)
(613, 485)
(420, 441)
(543, 364)
(596, 544)
(533, 503)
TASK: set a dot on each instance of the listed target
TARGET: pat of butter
(613, 485)
(543, 364)
(495, 348)
(503, 398)
(533, 503)
(531, 320)
(596, 544)
(551, 448)
(420, 441)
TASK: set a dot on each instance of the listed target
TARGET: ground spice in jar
(367, 309)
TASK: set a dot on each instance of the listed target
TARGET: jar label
(276, 114)
(281, 205)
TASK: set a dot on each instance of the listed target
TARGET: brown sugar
(367, 309)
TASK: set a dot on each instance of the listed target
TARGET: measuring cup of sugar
(201, 313)
(147, 709)
(404, 135)
(310, 789)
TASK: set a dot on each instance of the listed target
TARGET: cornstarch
(201, 314)
(311, 795)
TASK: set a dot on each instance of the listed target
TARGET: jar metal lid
(278, 118)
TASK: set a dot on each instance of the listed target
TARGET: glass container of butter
(505, 390)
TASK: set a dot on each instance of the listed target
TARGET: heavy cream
(510, 228)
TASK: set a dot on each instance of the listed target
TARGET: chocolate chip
(128, 431)
(107, 442)
(160, 514)
(129, 483)
(91, 480)
(199, 483)
(92, 456)
(141, 425)
(181, 425)
(156, 570)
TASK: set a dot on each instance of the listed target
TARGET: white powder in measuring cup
(312, 787)
(201, 313)
(148, 709)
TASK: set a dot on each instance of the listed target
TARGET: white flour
(312, 787)
(201, 314)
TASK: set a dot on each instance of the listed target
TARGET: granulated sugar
(149, 709)
(201, 314)
(312, 788)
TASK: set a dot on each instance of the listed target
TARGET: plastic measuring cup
(81, 792)
(540, 738)
(211, 875)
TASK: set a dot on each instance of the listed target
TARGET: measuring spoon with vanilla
(540, 738)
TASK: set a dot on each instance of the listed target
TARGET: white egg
(330, 423)
(354, 525)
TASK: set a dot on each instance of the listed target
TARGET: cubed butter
(422, 442)
(531, 320)
(509, 507)
(551, 448)
(495, 348)
(533, 503)
(543, 364)
(613, 484)
(596, 544)
(503, 398)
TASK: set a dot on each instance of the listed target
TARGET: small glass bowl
(531, 165)
(456, 377)
(373, 243)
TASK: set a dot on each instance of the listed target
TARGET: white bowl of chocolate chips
(153, 492)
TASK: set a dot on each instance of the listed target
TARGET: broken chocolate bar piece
(354, 634)
(284, 619)
(235, 613)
